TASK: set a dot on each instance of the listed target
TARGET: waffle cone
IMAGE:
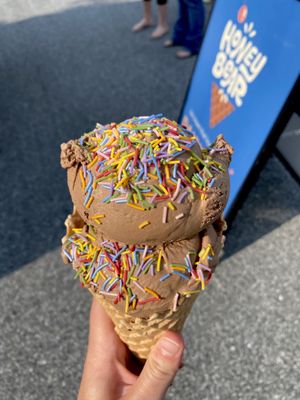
(140, 334)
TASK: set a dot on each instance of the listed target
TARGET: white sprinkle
(175, 301)
(179, 216)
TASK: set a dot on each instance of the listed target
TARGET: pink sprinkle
(153, 198)
(108, 294)
(103, 155)
(139, 286)
(165, 215)
(177, 189)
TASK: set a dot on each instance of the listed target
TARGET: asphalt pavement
(63, 67)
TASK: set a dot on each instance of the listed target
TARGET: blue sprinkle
(105, 283)
(106, 198)
(175, 170)
(88, 196)
(119, 253)
(112, 284)
(181, 275)
(163, 278)
(90, 181)
(99, 269)
(68, 255)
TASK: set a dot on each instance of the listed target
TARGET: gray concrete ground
(60, 73)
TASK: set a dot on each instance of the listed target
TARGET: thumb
(160, 369)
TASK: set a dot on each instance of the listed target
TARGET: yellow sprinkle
(174, 142)
(127, 304)
(150, 291)
(112, 153)
(136, 206)
(88, 204)
(159, 261)
(127, 156)
(91, 237)
(116, 132)
(203, 285)
(96, 216)
(179, 269)
(191, 292)
(203, 196)
(171, 206)
(122, 181)
(77, 230)
(163, 189)
(124, 262)
(143, 224)
(94, 185)
(135, 198)
(134, 303)
(92, 163)
(167, 172)
(174, 162)
(150, 194)
(134, 278)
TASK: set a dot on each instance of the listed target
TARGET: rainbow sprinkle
(138, 162)
(115, 271)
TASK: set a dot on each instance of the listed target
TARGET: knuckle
(158, 370)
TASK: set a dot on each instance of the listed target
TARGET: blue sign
(249, 63)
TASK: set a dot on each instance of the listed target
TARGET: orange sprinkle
(92, 163)
(88, 204)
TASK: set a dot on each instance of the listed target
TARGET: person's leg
(180, 27)
(162, 26)
(196, 18)
(146, 21)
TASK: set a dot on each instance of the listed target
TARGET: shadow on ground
(61, 74)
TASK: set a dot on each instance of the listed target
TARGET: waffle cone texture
(140, 334)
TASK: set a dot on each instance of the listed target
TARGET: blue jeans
(188, 30)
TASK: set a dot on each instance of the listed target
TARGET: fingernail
(168, 347)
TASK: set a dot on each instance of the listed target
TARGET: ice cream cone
(140, 334)
(146, 230)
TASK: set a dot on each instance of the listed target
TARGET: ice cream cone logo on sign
(220, 106)
(237, 65)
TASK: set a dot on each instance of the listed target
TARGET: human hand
(111, 372)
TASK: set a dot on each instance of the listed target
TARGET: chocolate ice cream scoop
(146, 180)
(140, 279)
